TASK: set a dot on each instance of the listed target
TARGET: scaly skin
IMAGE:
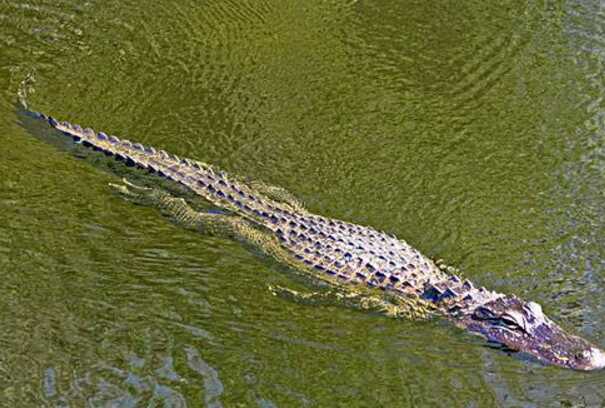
(344, 254)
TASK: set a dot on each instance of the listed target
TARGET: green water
(474, 130)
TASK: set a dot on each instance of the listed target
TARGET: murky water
(475, 130)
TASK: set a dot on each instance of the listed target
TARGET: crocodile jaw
(522, 327)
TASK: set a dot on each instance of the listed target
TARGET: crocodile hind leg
(177, 209)
(216, 224)
(183, 214)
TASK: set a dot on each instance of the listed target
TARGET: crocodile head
(521, 326)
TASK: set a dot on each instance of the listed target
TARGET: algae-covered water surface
(474, 130)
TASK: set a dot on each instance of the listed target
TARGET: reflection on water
(137, 385)
(474, 131)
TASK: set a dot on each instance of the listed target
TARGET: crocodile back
(349, 252)
(356, 254)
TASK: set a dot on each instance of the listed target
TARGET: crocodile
(367, 268)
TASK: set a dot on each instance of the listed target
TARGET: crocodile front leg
(278, 194)
(356, 298)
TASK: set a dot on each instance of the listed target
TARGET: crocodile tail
(214, 186)
(132, 153)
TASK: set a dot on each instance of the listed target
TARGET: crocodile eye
(512, 322)
(508, 321)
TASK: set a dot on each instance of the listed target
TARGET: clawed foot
(291, 294)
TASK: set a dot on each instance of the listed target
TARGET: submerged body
(350, 255)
